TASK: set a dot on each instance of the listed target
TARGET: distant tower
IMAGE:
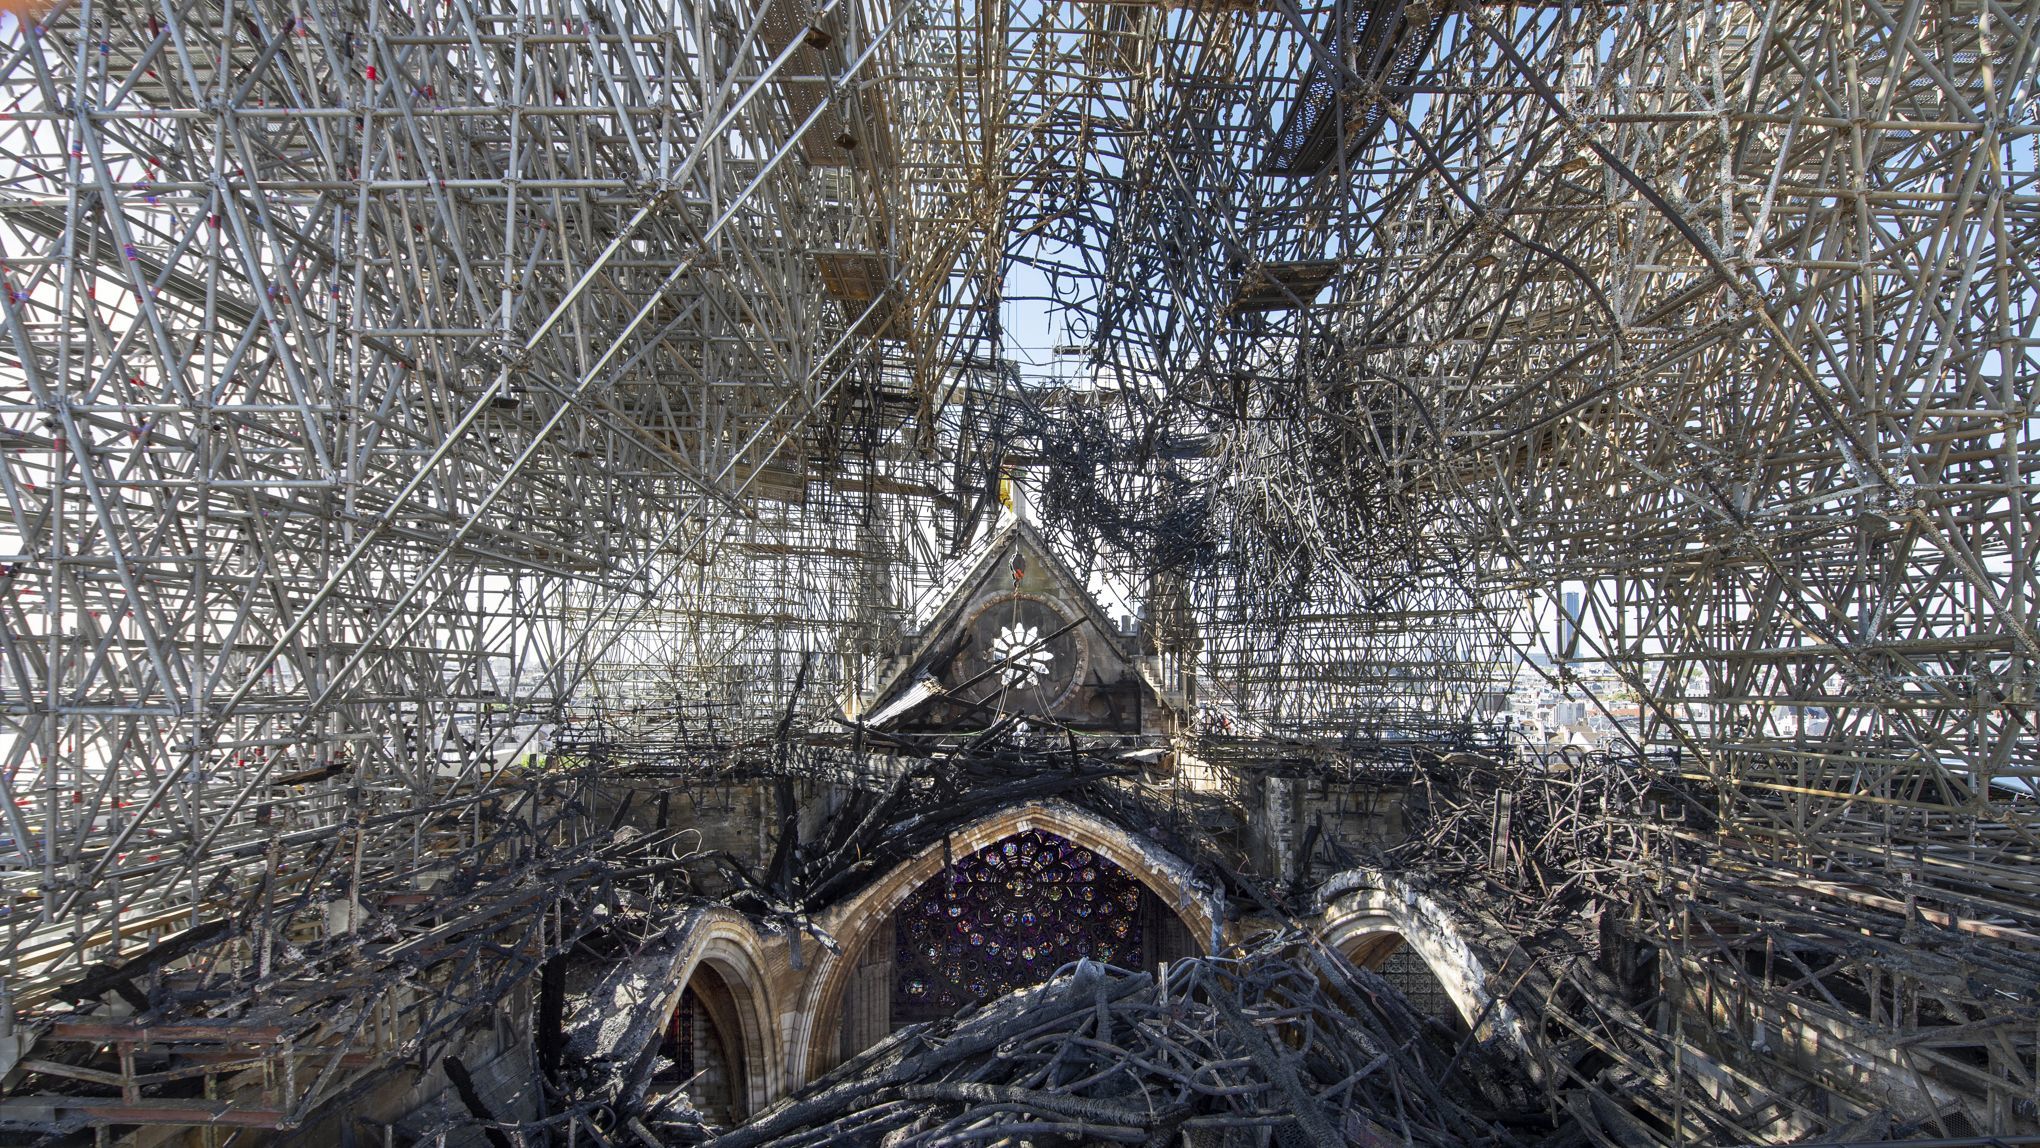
(1568, 625)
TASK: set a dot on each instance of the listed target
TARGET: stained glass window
(1007, 916)
(679, 1042)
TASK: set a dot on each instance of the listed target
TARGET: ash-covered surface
(612, 1024)
(1290, 1038)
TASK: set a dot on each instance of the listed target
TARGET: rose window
(1007, 916)
(1020, 650)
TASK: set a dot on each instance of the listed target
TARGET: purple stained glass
(1007, 916)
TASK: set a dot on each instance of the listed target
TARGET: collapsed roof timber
(1386, 571)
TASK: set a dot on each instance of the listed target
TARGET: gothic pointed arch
(864, 925)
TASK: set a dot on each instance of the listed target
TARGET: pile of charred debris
(1285, 1043)
(259, 1019)
(1604, 894)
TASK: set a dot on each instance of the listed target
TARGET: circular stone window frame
(1060, 610)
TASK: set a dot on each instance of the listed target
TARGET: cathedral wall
(739, 818)
(1354, 815)
(496, 1050)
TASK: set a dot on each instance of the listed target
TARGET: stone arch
(1368, 915)
(1369, 950)
(855, 922)
(1373, 941)
(726, 954)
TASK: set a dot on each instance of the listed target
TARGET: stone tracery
(1007, 916)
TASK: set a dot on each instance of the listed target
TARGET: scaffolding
(390, 386)
(400, 400)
